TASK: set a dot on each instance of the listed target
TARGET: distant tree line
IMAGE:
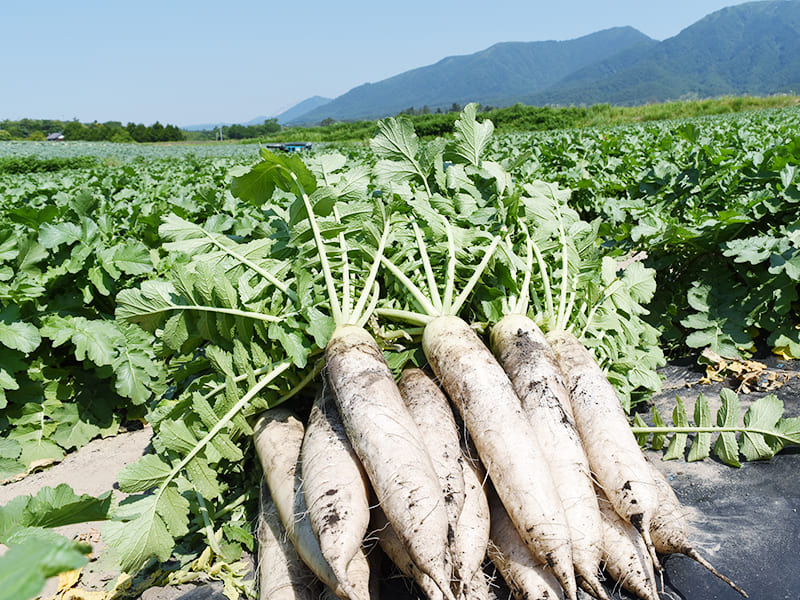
(241, 132)
(236, 132)
(512, 118)
(110, 131)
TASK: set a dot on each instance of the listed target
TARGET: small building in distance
(290, 146)
(55, 137)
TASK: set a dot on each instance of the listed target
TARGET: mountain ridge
(479, 77)
(751, 48)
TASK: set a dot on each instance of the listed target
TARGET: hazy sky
(201, 61)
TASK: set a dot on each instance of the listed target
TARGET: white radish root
(282, 575)
(278, 436)
(431, 412)
(526, 577)
(625, 555)
(530, 363)
(472, 530)
(478, 588)
(335, 488)
(394, 549)
(616, 461)
(390, 447)
(504, 439)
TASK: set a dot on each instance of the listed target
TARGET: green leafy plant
(757, 434)
(35, 552)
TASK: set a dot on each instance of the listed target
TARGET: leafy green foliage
(34, 551)
(762, 430)
(712, 203)
(69, 243)
(225, 298)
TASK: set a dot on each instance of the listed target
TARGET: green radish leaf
(175, 435)
(204, 478)
(764, 414)
(640, 282)
(16, 334)
(701, 445)
(25, 567)
(53, 507)
(388, 172)
(53, 235)
(8, 245)
(139, 375)
(96, 340)
(132, 258)
(789, 433)
(325, 165)
(141, 538)
(659, 439)
(148, 306)
(470, 136)
(35, 447)
(292, 342)
(642, 437)
(258, 184)
(677, 445)
(59, 506)
(146, 473)
(726, 447)
(173, 508)
(396, 140)
(320, 326)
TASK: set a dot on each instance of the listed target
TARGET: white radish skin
(670, 530)
(504, 439)
(278, 436)
(478, 588)
(391, 449)
(393, 547)
(335, 488)
(625, 554)
(616, 461)
(472, 530)
(281, 573)
(530, 363)
(431, 412)
(525, 576)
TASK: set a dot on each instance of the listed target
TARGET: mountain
(302, 108)
(751, 48)
(499, 74)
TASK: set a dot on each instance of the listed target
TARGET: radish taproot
(504, 439)
(616, 461)
(484, 397)
(335, 487)
(282, 575)
(393, 547)
(431, 411)
(472, 529)
(527, 358)
(391, 449)
(278, 437)
(526, 577)
(625, 554)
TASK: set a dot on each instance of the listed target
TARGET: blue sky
(189, 62)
